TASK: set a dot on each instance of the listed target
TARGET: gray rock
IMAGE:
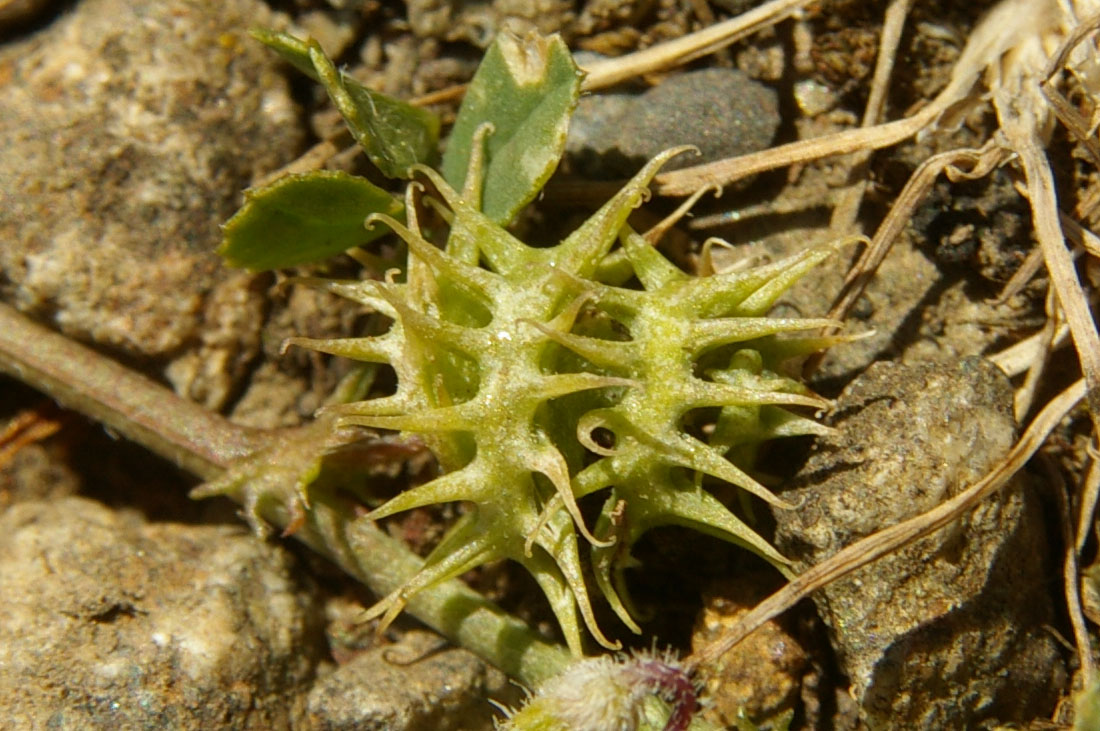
(593, 141)
(721, 111)
(417, 684)
(128, 131)
(947, 632)
(109, 622)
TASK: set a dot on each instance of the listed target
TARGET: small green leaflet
(527, 89)
(292, 50)
(300, 219)
(393, 133)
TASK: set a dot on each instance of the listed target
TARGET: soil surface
(128, 135)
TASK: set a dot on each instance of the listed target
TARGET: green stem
(205, 443)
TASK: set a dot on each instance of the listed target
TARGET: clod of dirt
(36, 472)
(418, 684)
(721, 111)
(949, 631)
(109, 622)
(128, 132)
(36, 469)
(762, 676)
(479, 21)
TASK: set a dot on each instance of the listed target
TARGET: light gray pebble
(110, 622)
(416, 684)
(129, 131)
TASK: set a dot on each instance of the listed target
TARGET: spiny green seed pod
(485, 343)
(514, 362)
(654, 469)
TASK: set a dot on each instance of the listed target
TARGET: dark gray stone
(721, 111)
(949, 631)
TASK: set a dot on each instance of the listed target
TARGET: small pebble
(417, 684)
(761, 678)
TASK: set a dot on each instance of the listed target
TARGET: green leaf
(394, 134)
(300, 219)
(527, 89)
(293, 50)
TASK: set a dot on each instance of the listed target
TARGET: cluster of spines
(503, 374)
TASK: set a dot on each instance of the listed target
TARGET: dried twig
(723, 172)
(1016, 358)
(1020, 126)
(1025, 394)
(978, 164)
(1019, 279)
(689, 47)
(1090, 492)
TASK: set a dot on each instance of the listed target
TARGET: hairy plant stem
(205, 443)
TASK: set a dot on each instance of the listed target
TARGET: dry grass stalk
(689, 47)
(1020, 126)
(964, 164)
(1089, 495)
(1071, 576)
(1016, 358)
(1025, 394)
(28, 427)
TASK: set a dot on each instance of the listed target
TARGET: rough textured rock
(721, 111)
(418, 684)
(948, 632)
(109, 622)
(592, 146)
(129, 130)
